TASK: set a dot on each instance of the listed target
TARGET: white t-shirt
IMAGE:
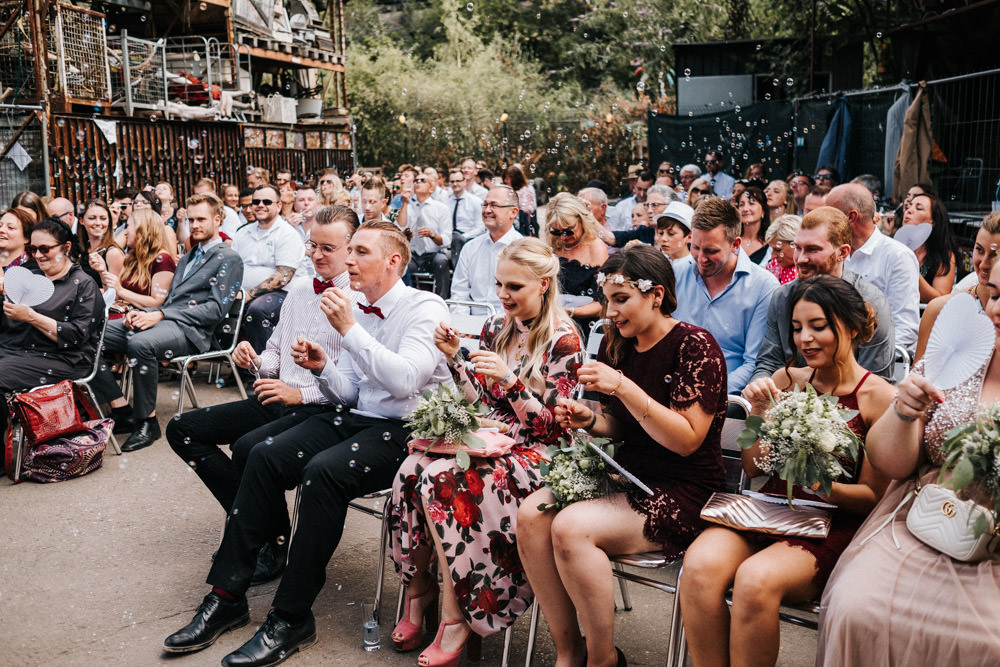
(263, 250)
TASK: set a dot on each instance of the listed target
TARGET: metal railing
(140, 80)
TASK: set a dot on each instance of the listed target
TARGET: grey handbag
(741, 512)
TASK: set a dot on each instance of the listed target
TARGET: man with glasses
(722, 183)
(800, 183)
(665, 174)
(430, 222)
(285, 394)
(205, 283)
(827, 177)
(246, 207)
(271, 250)
(621, 214)
(689, 174)
(466, 212)
(62, 208)
(475, 268)
(123, 199)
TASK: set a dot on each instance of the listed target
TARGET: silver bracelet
(902, 417)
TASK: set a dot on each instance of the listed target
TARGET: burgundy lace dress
(684, 369)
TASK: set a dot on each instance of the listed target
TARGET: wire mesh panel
(23, 167)
(16, 54)
(138, 73)
(81, 62)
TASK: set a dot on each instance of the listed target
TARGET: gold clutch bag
(741, 512)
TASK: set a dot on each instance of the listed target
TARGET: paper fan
(960, 342)
(913, 236)
(26, 288)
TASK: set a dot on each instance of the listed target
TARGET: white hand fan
(913, 236)
(26, 288)
(960, 342)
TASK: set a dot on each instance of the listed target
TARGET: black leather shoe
(124, 425)
(147, 431)
(276, 640)
(215, 615)
(270, 563)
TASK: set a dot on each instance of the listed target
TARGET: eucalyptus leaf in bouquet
(445, 415)
(973, 459)
(575, 471)
(804, 436)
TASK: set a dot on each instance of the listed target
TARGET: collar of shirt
(390, 299)
(868, 247)
(505, 240)
(205, 247)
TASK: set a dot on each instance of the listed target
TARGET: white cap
(680, 212)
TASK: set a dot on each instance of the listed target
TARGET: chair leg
(529, 651)
(18, 438)
(677, 645)
(623, 587)
(100, 413)
(236, 376)
(382, 552)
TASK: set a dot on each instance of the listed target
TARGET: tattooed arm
(277, 280)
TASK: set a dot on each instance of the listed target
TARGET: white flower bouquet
(446, 416)
(575, 471)
(802, 435)
(973, 459)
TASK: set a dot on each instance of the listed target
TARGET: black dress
(579, 280)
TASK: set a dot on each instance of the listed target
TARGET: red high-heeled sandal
(433, 656)
(410, 633)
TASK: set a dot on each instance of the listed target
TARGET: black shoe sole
(236, 624)
(135, 448)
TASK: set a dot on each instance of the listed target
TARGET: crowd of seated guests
(724, 286)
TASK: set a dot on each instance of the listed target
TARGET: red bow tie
(319, 285)
(371, 310)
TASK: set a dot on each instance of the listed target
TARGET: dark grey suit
(196, 303)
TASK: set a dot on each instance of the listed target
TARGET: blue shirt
(737, 316)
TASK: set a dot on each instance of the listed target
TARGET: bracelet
(621, 378)
(593, 420)
(902, 417)
(645, 414)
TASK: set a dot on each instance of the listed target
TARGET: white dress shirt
(893, 268)
(390, 361)
(722, 184)
(300, 315)
(478, 190)
(474, 278)
(619, 216)
(434, 215)
(263, 250)
(470, 214)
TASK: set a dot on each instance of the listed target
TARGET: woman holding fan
(467, 518)
(828, 319)
(663, 386)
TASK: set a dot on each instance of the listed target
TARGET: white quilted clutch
(942, 521)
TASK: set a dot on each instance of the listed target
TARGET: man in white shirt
(881, 260)
(285, 394)
(597, 200)
(304, 211)
(689, 174)
(272, 251)
(466, 212)
(388, 358)
(620, 217)
(474, 271)
(722, 183)
(470, 171)
(430, 222)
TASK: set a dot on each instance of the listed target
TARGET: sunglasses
(664, 172)
(563, 232)
(44, 249)
(701, 191)
(457, 182)
(823, 177)
(420, 180)
(326, 182)
(261, 202)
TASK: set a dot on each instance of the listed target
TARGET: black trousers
(261, 318)
(198, 435)
(336, 457)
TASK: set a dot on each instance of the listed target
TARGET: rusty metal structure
(102, 94)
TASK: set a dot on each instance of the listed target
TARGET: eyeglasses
(44, 249)
(655, 204)
(664, 172)
(823, 177)
(702, 191)
(124, 204)
(493, 204)
(711, 161)
(326, 249)
(563, 232)
(64, 214)
(461, 180)
(261, 202)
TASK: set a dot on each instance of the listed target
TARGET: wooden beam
(17, 135)
(295, 60)
(8, 24)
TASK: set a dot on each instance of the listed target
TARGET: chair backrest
(732, 455)
(109, 300)
(594, 339)
(900, 364)
(469, 327)
(227, 333)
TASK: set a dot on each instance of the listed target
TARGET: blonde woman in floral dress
(464, 521)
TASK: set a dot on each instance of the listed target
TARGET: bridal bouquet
(802, 436)
(446, 417)
(575, 471)
(973, 457)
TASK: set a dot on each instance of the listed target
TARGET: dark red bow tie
(319, 285)
(371, 310)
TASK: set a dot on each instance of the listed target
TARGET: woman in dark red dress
(664, 392)
(829, 318)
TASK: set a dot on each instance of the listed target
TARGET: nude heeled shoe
(433, 656)
(409, 632)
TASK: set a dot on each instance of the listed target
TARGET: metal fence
(78, 41)
(17, 69)
(22, 152)
(138, 73)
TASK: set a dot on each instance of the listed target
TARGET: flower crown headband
(643, 285)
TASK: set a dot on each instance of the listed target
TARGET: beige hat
(634, 170)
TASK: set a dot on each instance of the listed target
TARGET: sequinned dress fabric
(475, 511)
(685, 368)
(912, 605)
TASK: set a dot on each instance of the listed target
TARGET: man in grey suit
(201, 294)
(821, 247)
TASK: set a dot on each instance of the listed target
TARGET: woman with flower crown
(463, 522)
(663, 386)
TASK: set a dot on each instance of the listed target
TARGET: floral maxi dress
(475, 511)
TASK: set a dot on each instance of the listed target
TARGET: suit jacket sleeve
(771, 355)
(199, 301)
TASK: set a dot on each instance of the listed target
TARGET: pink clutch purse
(497, 444)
